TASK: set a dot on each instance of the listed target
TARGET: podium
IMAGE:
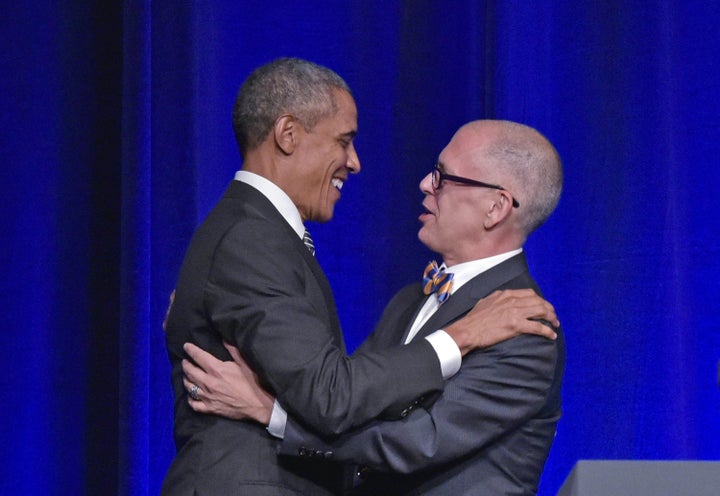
(642, 478)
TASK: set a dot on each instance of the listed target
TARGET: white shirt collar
(280, 200)
(467, 270)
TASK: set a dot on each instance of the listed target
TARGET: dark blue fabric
(116, 141)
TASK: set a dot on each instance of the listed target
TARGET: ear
(285, 133)
(500, 209)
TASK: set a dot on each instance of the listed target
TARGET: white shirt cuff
(447, 351)
(278, 420)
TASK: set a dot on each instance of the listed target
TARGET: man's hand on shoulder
(501, 316)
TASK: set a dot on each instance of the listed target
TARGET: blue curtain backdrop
(116, 141)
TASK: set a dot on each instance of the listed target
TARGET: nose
(426, 184)
(353, 161)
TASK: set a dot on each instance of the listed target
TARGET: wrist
(264, 412)
(461, 338)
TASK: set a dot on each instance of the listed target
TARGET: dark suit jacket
(247, 278)
(491, 429)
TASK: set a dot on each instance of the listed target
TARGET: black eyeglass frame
(438, 176)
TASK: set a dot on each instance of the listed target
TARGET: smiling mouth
(338, 183)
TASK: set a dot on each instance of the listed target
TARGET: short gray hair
(535, 166)
(283, 86)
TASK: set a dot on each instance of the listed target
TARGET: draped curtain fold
(116, 142)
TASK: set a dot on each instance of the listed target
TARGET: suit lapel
(263, 206)
(464, 299)
(409, 314)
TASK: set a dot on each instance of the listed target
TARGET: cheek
(451, 218)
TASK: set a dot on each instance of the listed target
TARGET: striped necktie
(436, 280)
(307, 239)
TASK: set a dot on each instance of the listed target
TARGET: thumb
(234, 353)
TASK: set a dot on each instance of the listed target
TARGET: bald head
(522, 160)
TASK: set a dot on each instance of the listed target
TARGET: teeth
(337, 183)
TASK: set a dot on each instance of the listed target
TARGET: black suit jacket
(490, 430)
(247, 278)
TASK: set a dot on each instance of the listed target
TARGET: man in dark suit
(491, 429)
(249, 278)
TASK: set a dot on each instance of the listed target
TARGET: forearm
(358, 389)
(488, 399)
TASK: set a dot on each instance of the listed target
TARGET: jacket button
(362, 472)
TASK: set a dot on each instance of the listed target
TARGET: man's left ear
(499, 210)
(285, 133)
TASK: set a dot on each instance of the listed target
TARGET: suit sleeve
(263, 297)
(496, 391)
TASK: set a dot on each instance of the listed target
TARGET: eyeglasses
(438, 176)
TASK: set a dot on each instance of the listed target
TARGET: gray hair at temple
(535, 166)
(283, 86)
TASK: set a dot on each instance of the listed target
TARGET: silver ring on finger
(193, 392)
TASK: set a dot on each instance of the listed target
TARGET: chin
(422, 236)
(325, 216)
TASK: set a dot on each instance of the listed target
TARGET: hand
(228, 389)
(501, 316)
(167, 312)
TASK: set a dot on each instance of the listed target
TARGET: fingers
(192, 380)
(526, 303)
(196, 403)
(194, 373)
(234, 352)
(189, 383)
(534, 315)
(202, 358)
(198, 406)
(240, 361)
(541, 329)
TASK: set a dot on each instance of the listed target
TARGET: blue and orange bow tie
(436, 280)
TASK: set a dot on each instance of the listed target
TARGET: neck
(262, 163)
(487, 252)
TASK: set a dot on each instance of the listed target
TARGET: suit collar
(239, 190)
(275, 195)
